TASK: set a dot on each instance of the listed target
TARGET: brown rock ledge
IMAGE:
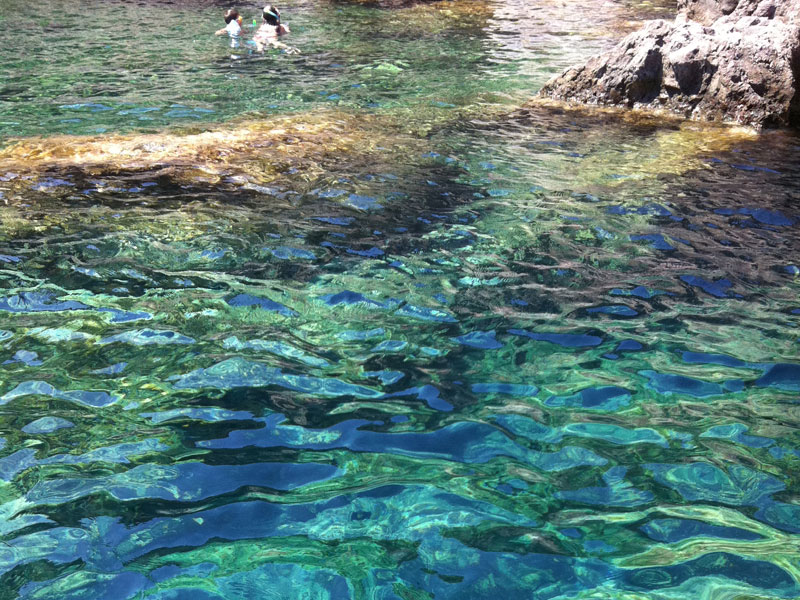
(728, 60)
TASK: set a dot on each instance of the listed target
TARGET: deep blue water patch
(246, 300)
(605, 398)
(629, 346)
(719, 359)
(782, 376)
(385, 376)
(762, 215)
(429, 394)
(349, 298)
(657, 241)
(668, 384)
(719, 288)
(567, 340)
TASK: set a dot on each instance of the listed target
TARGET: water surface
(364, 322)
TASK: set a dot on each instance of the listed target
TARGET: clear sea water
(366, 322)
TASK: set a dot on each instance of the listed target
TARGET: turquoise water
(365, 323)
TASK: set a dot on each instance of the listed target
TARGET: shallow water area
(365, 322)
(101, 67)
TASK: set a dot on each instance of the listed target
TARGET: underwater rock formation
(729, 60)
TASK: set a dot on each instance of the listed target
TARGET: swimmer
(271, 29)
(233, 27)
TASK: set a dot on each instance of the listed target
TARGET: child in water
(271, 29)
(233, 27)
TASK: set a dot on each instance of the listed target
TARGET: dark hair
(272, 15)
(231, 15)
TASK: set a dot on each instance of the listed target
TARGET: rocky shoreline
(720, 60)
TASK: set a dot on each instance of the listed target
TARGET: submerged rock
(730, 60)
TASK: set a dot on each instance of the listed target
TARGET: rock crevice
(730, 60)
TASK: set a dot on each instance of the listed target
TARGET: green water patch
(119, 68)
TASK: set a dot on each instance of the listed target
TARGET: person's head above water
(271, 15)
(232, 15)
(271, 29)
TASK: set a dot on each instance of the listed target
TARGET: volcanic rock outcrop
(730, 60)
